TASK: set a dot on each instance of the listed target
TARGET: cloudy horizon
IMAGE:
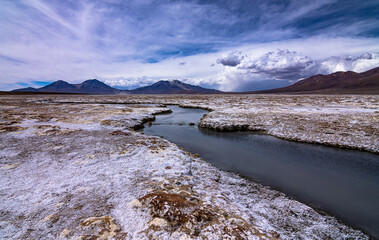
(228, 45)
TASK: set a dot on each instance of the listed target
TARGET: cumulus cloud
(232, 59)
(281, 64)
(283, 67)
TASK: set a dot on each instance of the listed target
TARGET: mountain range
(335, 83)
(94, 86)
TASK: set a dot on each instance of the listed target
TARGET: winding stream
(344, 183)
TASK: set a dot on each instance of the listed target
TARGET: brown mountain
(338, 82)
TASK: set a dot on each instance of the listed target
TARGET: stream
(341, 182)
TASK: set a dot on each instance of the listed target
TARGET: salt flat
(73, 167)
(350, 121)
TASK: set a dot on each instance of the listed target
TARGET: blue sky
(229, 45)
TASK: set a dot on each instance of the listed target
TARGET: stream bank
(341, 182)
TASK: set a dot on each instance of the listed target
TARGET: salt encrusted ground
(350, 121)
(80, 171)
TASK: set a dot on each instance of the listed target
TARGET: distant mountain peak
(94, 86)
(57, 86)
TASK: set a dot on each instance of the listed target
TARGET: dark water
(344, 183)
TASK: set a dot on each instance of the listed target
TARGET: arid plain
(73, 166)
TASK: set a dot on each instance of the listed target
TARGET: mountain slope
(173, 87)
(338, 82)
(28, 89)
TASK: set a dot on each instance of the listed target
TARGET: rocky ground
(74, 168)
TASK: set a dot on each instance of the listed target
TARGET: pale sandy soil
(74, 171)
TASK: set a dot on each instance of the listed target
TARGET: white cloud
(280, 64)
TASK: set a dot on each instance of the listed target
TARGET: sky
(229, 45)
